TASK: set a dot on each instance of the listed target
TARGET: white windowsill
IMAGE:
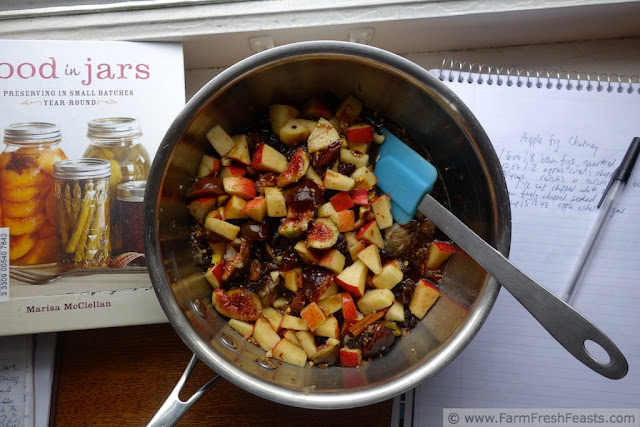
(217, 35)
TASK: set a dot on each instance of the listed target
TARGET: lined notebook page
(16, 381)
(558, 148)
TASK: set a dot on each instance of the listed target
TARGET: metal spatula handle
(565, 324)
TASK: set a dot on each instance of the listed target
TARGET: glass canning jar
(27, 199)
(117, 139)
(82, 194)
(130, 200)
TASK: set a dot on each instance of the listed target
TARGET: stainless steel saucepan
(399, 90)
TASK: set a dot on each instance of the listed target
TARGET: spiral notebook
(559, 136)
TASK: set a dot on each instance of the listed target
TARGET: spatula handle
(565, 324)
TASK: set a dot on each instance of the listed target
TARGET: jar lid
(114, 127)
(81, 169)
(132, 191)
(32, 132)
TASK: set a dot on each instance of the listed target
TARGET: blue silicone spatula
(409, 178)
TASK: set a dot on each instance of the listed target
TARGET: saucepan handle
(173, 408)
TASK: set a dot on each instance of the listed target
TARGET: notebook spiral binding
(470, 72)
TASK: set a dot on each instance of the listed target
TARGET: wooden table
(121, 376)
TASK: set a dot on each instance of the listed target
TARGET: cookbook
(81, 123)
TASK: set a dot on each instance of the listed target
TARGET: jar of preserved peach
(117, 139)
(26, 191)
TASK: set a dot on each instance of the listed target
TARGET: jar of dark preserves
(130, 199)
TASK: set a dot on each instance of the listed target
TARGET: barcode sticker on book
(4, 264)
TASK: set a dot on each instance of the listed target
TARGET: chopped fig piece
(238, 303)
(296, 168)
(323, 234)
(382, 340)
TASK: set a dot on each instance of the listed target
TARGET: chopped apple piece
(313, 176)
(360, 147)
(360, 132)
(364, 178)
(280, 114)
(214, 274)
(349, 311)
(327, 292)
(199, 208)
(240, 150)
(217, 251)
(310, 124)
(360, 196)
(307, 342)
(222, 228)
(381, 207)
(234, 209)
(349, 109)
(390, 276)
(305, 254)
(371, 233)
(332, 260)
(344, 220)
(289, 352)
(331, 304)
(232, 170)
(312, 315)
(220, 140)
(209, 165)
(295, 169)
(276, 206)
(395, 312)
(291, 336)
(291, 281)
(424, 296)
(256, 209)
(293, 132)
(341, 201)
(371, 258)
(439, 252)
(273, 316)
(316, 108)
(245, 329)
(355, 157)
(323, 135)
(264, 334)
(353, 278)
(337, 181)
(326, 210)
(374, 300)
(294, 322)
(268, 159)
(350, 357)
(328, 353)
(329, 328)
(355, 249)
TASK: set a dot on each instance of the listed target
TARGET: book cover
(64, 102)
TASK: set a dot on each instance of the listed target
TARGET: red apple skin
(360, 196)
(315, 108)
(342, 201)
(312, 315)
(349, 311)
(239, 186)
(360, 133)
(350, 358)
(363, 229)
(235, 170)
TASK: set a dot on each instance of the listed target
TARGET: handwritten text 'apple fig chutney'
(298, 243)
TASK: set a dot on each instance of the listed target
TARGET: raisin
(346, 168)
